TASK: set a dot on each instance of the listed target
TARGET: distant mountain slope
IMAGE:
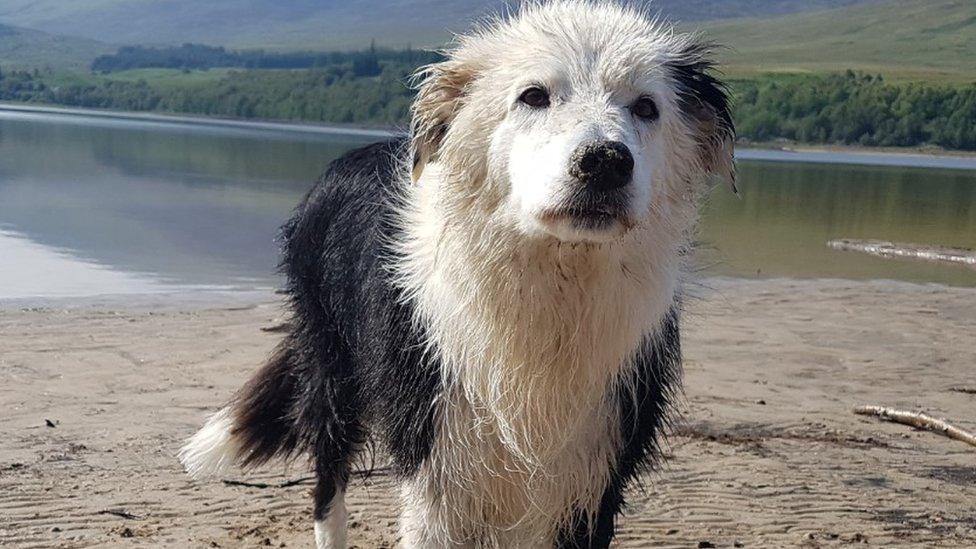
(313, 24)
(907, 38)
(30, 48)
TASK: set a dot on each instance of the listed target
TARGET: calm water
(94, 206)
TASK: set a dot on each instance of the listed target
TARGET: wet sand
(98, 394)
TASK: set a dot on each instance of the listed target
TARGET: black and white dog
(495, 301)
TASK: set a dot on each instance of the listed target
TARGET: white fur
(330, 532)
(535, 321)
(213, 449)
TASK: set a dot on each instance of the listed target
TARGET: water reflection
(41, 270)
(119, 207)
(786, 213)
(183, 203)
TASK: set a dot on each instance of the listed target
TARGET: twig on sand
(286, 484)
(964, 390)
(302, 480)
(277, 327)
(120, 513)
(919, 421)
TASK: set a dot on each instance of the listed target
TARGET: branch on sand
(919, 421)
(119, 513)
(286, 484)
(376, 471)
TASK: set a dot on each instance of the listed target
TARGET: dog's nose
(602, 165)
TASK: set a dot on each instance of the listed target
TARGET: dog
(494, 300)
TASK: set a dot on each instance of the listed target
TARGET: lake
(92, 205)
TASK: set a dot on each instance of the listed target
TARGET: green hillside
(904, 39)
(30, 48)
(316, 24)
(271, 24)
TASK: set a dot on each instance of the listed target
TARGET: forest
(348, 92)
(198, 56)
(370, 87)
(856, 109)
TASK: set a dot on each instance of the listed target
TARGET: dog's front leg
(582, 533)
(423, 522)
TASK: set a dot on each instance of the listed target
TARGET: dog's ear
(704, 100)
(441, 93)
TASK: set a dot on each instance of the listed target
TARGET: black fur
(353, 356)
(643, 412)
(698, 88)
(706, 102)
(354, 364)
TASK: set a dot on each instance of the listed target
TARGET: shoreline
(764, 152)
(183, 298)
(202, 121)
(859, 156)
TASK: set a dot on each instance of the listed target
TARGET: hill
(314, 24)
(30, 48)
(906, 39)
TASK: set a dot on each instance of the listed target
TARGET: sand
(96, 396)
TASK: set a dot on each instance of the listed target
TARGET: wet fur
(518, 383)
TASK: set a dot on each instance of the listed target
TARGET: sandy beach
(98, 394)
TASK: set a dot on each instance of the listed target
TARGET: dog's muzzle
(602, 166)
(601, 170)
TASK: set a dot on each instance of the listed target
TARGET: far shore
(918, 157)
(200, 120)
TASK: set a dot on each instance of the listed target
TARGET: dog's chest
(492, 483)
(532, 351)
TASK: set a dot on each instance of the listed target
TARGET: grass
(307, 24)
(906, 40)
(165, 79)
(30, 48)
(159, 79)
(902, 39)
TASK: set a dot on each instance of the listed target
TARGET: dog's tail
(255, 427)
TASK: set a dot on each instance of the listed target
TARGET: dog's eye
(535, 97)
(645, 108)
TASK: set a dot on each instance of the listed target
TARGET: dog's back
(351, 334)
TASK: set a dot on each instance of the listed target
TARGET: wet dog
(495, 300)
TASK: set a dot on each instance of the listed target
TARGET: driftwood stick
(919, 421)
(286, 484)
(377, 471)
(963, 256)
(119, 513)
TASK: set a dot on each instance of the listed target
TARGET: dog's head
(573, 119)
